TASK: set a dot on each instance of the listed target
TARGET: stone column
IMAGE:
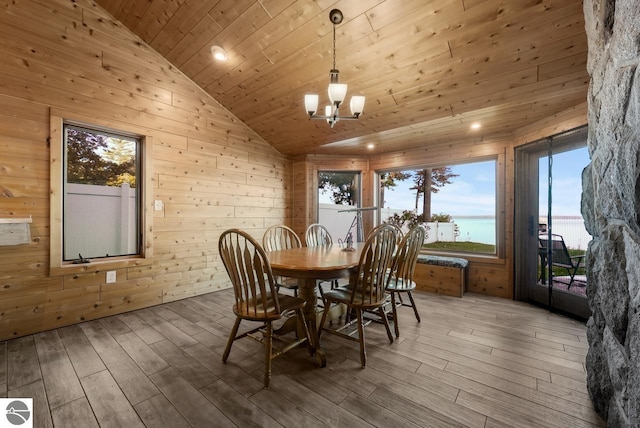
(611, 207)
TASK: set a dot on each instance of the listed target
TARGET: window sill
(69, 268)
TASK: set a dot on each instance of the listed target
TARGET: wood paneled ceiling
(428, 68)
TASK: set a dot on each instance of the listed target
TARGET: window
(101, 194)
(338, 197)
(460, 204)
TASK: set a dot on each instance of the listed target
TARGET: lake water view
(476, 229)
(482, 229)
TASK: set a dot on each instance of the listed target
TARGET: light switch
(158, 205)
(111, 276)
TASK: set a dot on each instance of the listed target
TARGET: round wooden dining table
(309, 264)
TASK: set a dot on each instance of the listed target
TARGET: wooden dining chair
(281, 237)
(366, 289)
(315, 236)
(256, 296)
(399, 233)
(401, 274)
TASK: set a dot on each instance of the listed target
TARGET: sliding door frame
(526, 214)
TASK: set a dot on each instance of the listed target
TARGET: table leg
(307, 291)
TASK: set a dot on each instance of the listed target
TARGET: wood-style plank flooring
(476, 361)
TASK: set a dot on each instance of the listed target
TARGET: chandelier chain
(334, 46)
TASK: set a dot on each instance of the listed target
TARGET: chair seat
(343, 295)
(400, 284)
(290, 283)
(287, 303)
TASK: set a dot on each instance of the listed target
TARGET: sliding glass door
(550, 238)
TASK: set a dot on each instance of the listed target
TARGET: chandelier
(337, 91)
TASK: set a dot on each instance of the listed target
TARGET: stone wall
(611, 206)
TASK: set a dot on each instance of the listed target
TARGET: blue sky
(567, 182)
(473, 191)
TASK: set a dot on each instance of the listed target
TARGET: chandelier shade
(311, 103)
(336, 91)
(356, 105)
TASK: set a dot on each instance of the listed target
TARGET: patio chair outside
(560, 256)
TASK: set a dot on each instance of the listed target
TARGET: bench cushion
(455, 262)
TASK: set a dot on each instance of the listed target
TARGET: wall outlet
(158, 205)
(111, 276)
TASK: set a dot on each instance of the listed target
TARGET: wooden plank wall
(450, 281)
(209, 169)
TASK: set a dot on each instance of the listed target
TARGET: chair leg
(363, 352)
(305, 329)
(572, 274)
(385, 320)
(232, 337)
(327, 306)
(395, 314)
(268, 350)
(413, 304)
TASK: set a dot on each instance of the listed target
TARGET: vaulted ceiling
(428, 68)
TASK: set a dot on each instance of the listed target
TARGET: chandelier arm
(354, 117)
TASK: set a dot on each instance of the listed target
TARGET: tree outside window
(101, 194)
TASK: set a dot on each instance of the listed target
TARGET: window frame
(57, 266)
(137, 140)
(359, 189)
(499, 160)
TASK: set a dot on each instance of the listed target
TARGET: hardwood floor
(476, 361)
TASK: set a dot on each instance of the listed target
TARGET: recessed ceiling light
(219, 53)
(370, 146)
(475, 125)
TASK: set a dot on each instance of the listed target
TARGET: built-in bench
(439, 274)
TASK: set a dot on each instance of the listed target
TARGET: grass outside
(463, 247)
